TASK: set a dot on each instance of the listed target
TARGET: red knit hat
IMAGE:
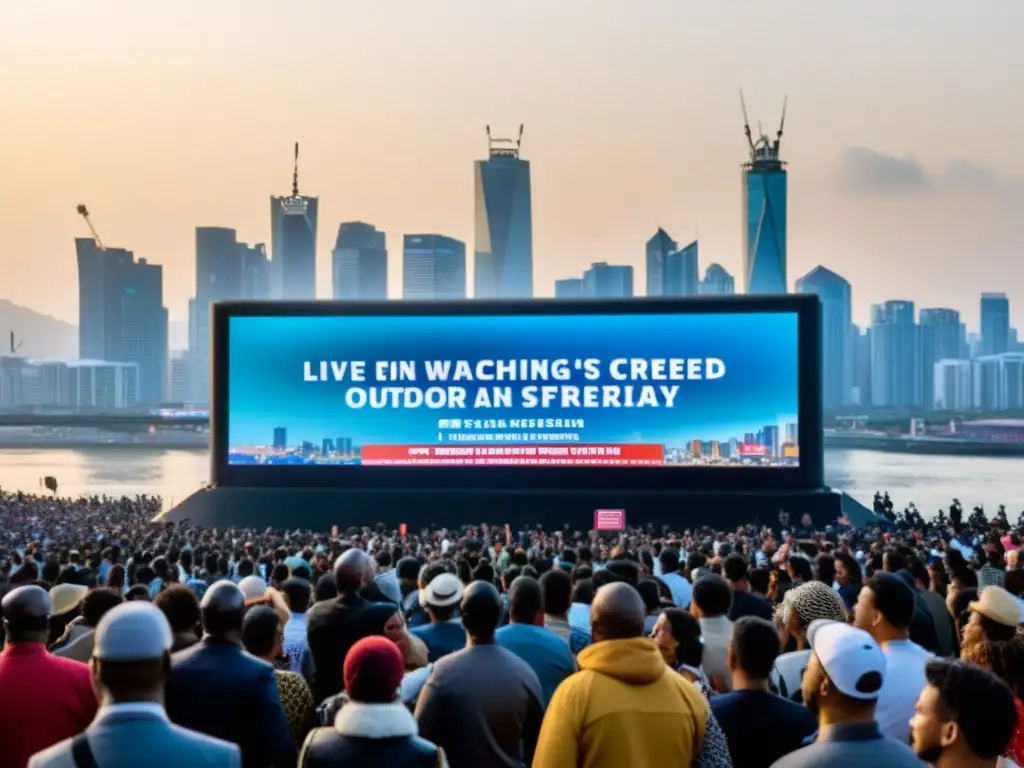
(373, 670)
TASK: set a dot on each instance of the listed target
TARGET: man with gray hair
(130, 665)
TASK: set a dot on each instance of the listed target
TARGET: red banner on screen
(753, 449)
(532, 454)
(609, 519)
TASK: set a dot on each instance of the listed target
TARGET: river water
(930, 482)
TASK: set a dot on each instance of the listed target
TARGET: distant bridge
(103, 420)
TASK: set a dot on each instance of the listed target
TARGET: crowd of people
(129, 641)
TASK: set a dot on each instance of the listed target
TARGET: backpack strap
(81, 752)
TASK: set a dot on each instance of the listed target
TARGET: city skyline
(929, 175)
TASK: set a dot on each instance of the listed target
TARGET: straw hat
(1000, 606)
(66, 597)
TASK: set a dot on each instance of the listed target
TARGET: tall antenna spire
(295, 175)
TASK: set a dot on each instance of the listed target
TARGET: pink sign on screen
(609, 519)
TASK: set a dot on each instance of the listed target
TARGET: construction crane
(84, 213)
(15, 346)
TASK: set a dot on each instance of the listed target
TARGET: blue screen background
(266, 387)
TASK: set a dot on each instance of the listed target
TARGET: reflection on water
(930, 482)
(112, 471)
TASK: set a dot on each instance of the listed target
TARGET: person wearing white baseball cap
(841, 685)
(130, 665)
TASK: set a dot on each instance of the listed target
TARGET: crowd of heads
(65, 564)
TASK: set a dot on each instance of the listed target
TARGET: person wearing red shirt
(45, 699)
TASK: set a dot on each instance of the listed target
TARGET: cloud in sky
(865, 171)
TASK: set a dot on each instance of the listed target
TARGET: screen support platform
(321, 508)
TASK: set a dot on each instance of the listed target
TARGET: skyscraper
(764, 213)
(837, 349)
(121, 315)
(941, 334)
(861, 341)
(570, 288)
(995, 323)
(293, 235)
(606, 281)
(225, 269)
(359, 262)
(682, 272)
(256, 282)
(658, 249)
(433, 267)
(895, 356)
(503, 259)
(717, 281)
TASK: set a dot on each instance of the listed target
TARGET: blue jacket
(218, 689)
(131, 735)
(441, 638)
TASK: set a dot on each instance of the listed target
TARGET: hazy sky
(903, 135)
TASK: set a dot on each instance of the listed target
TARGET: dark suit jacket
(375, 594)
(218, 689)
(334, 626)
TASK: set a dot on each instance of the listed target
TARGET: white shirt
(716, 632)
(904, 680)
(680, 588)
(788, 672)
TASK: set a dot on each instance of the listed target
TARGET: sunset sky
(903, 137)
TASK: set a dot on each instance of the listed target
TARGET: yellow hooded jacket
(625, 707)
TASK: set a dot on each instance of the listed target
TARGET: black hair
(557, 591)
(408, 569)
(893, 561)
(383, 558)
(648, 589)
(582, 572)
(582, 591)
(760, 578)
(736, 568)
(137, 592)
(755, 646)
(694, 560)
(325, 588)
(802, 568)
(893, 599)
(280, 573)
(825, 568)
(97, 602)
(180, 606)
(481, 610)
(431, 571)
(484, 572)
(298, 592)
(525, 600)
(686, 631)
(259, 630)
(669, 559)
(978, 702)
(919, 571)
(712, 595)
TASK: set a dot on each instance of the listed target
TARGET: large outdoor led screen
(694, 389)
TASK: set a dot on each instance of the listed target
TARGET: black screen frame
(808, 475)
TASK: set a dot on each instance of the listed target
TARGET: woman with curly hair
(991, 639)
